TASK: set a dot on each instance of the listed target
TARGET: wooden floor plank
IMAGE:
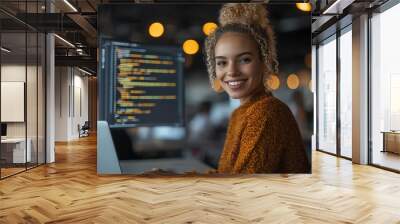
(70, 191)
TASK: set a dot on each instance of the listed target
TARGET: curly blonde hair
(248, 18)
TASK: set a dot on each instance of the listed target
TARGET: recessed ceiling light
(70, 5)
(84, 71)
(65, 41)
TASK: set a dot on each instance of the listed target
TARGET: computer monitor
(3, 129)
(143, 84)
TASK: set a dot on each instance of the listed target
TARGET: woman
(262, 136)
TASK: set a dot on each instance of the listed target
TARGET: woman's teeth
(235, 83)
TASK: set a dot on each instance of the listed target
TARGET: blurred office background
(206, 112)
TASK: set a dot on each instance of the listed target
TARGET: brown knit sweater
(263, 137)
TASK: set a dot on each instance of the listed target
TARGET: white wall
(10, 73)
(81, 104)
(71, 94)
(61, 103)
(16, 73)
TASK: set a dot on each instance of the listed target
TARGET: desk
(391, 141)
(177, 165)
(16, 147)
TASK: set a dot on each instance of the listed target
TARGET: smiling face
(238, 65)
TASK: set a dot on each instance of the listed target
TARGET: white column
(360, 90)
(50, 94)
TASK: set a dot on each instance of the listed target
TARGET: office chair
(84, 130)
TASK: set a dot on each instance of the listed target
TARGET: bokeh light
(209, 27)
(156, 29)
(293, 81)
(306, 7)
(273, 82)
(190, 47)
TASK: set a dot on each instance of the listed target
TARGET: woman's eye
(221, 63)
(245, 60)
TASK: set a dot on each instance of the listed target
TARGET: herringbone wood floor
(70, 191)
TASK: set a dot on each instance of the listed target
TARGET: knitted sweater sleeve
(271, 142)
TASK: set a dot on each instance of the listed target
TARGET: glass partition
(14, 154)
(327, 95)
(385, 89)
(346, 93)
(22, 87)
